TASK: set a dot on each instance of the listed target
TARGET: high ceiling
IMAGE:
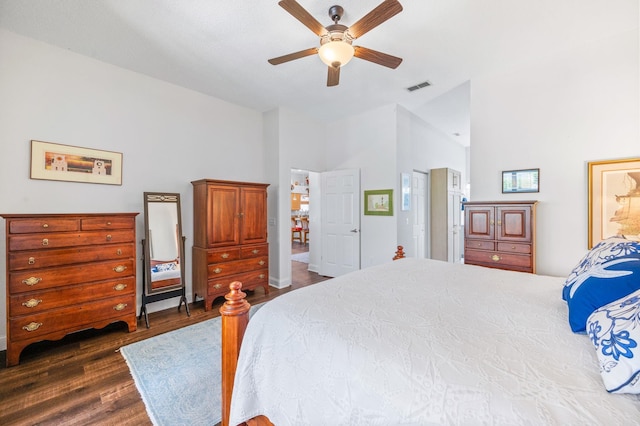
(221, 48)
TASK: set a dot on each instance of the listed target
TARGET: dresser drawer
(248, 252)
(237, 266)
(223, 255)
(71, 239)
(249, 280)
(71, 317)
(21, 260)
(38, 301)
(107, 222)
(27, 226)
(514, 248)
(517, 262)
(23, 281)
(480, 245)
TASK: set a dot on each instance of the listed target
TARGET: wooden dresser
(501, 235)
(230, 237)
(68, 272)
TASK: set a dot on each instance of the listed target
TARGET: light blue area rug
(178, 374)
(301, 257)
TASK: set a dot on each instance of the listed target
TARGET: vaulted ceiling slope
(221, 48)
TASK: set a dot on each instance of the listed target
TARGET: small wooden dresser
(68, 272)
(501, 234)
(230, 237)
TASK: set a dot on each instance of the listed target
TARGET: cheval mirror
(163, 251)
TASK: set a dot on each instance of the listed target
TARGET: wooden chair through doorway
(296, 230)
(305, 229)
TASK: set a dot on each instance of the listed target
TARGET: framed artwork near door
(378, 202)
(614, 199)
(405, 179)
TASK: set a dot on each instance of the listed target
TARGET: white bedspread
(421, 342)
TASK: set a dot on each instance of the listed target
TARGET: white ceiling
(221, 48)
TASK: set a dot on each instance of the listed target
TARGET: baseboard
(279, 284)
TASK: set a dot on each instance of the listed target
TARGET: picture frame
(614, 199)
(378, 202)
(52, 161)
(519, 181)
(405, 182)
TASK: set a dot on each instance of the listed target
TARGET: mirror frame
(151, 294)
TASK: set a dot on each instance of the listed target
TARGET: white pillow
(614, 330)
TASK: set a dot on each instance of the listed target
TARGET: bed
(415, 342)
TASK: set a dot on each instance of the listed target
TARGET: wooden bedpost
(235, 317)
(399, 253)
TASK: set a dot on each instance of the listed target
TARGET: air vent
(419, 86)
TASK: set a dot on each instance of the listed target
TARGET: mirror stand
(150, 298)
(163, 251)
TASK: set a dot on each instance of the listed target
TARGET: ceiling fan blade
(301, 14)
(377, 57)
(384, 11)
(291, 56)
(333, 76)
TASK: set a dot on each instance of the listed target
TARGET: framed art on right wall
(614, 199)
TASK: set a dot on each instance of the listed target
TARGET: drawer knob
(108, 223)
(261, 263)
(32, 260)
(225, 255)
(45, 225)
(108, 237)
(32, 326)
(119, 287)
(119, 306)
(31, 281)
(217, 286)
(513, 247)
(45, 241)
(479, 244)
(217, 270)
(120, 268)
(255, 251)
(32, 303)
(261, 276)
(495, 258)
(119, 252)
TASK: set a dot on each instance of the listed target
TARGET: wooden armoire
(230, 237)
(501, 234)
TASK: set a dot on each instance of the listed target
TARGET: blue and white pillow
(609, 271)
(614, 330)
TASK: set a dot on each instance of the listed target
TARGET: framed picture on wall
(614, 199)
(378, 202)
(52, 161)
(405, 181)
(516, 181)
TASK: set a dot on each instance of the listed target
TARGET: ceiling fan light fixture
(336, 52)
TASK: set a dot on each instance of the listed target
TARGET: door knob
(355, 231)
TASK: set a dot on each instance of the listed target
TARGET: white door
(340, 201)
(419, 213)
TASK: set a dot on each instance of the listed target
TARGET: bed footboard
(235, 317)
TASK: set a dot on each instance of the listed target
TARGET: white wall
(368, 142)
(169, 136)
(293, 141)
(421, 147)
(557, 113)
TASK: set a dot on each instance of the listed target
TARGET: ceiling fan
(336, 48)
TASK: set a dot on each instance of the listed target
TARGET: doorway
(301, 239)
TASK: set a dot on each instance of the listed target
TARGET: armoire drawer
(249, 280)
(248, 252)
(223, 254)
(237, 266)
(515, 248)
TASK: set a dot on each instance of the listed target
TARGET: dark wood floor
(83, 380)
